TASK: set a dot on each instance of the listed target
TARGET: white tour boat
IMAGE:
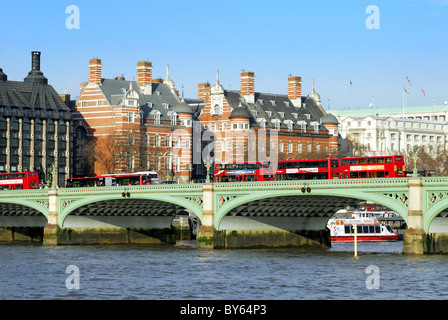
(367, 226)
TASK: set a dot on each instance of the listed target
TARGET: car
(169, 182)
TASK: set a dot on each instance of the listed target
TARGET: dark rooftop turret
(3, 76)
(35, 75)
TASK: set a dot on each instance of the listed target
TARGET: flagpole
(403, 103)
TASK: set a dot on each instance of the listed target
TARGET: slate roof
(31, 100)
(114, 90)
(278, 106)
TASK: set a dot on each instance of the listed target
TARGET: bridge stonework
(231, 215)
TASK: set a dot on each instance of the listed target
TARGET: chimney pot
(95, 70)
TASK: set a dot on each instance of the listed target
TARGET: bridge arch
(387, 200)
(23, 213)
(136, 202)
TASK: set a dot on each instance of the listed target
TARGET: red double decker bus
(126, 179)
(308, 169)
(19, 180)
(243, 171)
(372, 167)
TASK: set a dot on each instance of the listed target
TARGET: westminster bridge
(240, 214)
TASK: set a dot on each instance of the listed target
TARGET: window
(299, 147)
(84, 104)
(156, 118)
(289, 147)
(131, 117)
(224, 126)
(289, 127)
(99, 103)
(168, 141)
(174, 119)
(157, 140)
(187, 144)
(224, 145)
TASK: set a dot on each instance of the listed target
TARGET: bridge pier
(52, 229)
(414, 238)
(207, 231)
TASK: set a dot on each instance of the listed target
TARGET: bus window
(334, 163)
(380, 174)
(345, 162)
(371, 174)
(398, 158)
(267, 165)
(353, 161)
(353, 174)
(388, 160)
(363, 161)
(363, 174)
(371, 161)
(380, 160)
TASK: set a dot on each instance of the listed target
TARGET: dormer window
(281, 114)
(131, 103)
(295, 115)
(174, 119)
(157, 118)
(166, 105)
(269, 113)
(302, 125)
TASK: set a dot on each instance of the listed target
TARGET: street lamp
(208, 164)
(415, 155)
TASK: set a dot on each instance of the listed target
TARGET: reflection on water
(184, 272)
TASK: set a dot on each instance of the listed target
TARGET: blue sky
(324, 40)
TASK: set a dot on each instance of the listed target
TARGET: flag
(405, 90)
(407, 78)
(424, 92)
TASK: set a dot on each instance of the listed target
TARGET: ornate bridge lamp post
(415, 155)
(208, 164)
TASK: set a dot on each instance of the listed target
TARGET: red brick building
(128, 126)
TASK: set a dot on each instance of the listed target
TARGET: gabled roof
(279, 106)
(162, 98)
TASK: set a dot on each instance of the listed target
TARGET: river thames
(182, 272)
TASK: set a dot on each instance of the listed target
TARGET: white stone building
(386, 131)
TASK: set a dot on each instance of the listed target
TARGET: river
(182, 272)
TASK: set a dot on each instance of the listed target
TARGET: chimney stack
(204, 91)
(144, 73)
(247, 86)
(295, 90)
(95, 71)
(35, 75)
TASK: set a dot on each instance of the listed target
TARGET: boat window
(389, 229)
(348, 229)
(359, 229)
(371, 229)
(377, 229)
(365, 229)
